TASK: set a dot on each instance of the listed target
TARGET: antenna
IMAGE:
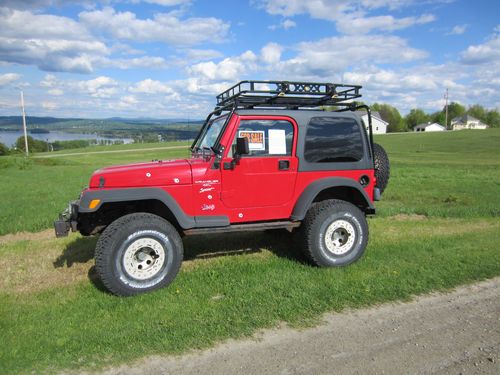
(24, 124)
(446, 109)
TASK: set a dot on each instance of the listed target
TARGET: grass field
(437, 227)
(43, 185)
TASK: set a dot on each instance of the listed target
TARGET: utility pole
(446, 109)
(24, 124)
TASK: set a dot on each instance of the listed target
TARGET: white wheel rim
(339, 237)
(144, 258)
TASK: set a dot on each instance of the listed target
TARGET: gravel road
(454, 333)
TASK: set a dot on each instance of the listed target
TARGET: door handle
(284, 165)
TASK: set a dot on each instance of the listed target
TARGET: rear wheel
(138, 253)
(334, 233)
(382, 167)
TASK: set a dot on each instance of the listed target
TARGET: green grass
(232, 296)
(455, 174)
(53, 316)
(35, 190)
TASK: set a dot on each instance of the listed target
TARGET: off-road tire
(117, 260)
(382, 167)
(325, 224)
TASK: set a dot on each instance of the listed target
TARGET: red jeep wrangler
(269, 156)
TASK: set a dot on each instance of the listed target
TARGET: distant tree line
(35, 145)
(416, 116)
(389, 113)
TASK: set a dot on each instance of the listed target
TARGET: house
(467, 122)
(379, 126)
(429, 127)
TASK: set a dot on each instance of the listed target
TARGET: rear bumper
(67, 220)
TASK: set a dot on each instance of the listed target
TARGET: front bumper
(67, 220)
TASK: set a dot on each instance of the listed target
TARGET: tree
(493, 118)
(4, 150)
(34, 145)
(478, 112)
(454, 110)
(438, 117)
(391, 115)
(416, 117)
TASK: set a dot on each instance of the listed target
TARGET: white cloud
(486, 53)
(150, 86)
(382, 79)
(100, 87)
(356, 25)
(458, 30)
(40, 4)
(49, 80)
(60, 44)
(271, 53)
(202, 54)
(167, 3)
(56, 92)
(50, 106)
(326, 58)
(229, 69)
(125, 49)
(128, 100)
(350, 15)
(26, 25)
(52, 43)
(316, 8)
(163, 27)
(285, 24)
(152, 62)
(8, 78)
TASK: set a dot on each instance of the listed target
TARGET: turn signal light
(94, 203)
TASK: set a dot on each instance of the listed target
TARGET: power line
(446, 109)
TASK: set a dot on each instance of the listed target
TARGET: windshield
(211, 133)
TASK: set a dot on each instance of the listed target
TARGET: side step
(289, 225)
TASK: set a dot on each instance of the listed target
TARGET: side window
(333, 139)
(266, 137)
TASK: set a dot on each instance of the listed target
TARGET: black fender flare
(310, 192)
(147, 193)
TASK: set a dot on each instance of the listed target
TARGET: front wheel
(334, 233)
(138, 253)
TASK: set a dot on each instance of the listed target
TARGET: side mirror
(242, 147)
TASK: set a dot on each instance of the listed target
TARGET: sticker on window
(277, 142)
(255, 139)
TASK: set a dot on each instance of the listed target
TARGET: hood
(156, 173)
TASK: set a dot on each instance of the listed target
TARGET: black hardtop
(301, 117)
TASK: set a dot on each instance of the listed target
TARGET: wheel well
(95, 222)
(345, 193)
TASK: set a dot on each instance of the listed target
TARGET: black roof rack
(287, 94)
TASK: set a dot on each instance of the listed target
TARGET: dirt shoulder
(454, 333)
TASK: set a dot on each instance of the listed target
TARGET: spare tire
(382, 167)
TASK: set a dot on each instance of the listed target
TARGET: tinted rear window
(333, 140)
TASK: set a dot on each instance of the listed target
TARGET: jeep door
(266, 176)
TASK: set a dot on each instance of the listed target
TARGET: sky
(170, 58)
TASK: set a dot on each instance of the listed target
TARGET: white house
(379, 126)
(467, 122)
(429, 127)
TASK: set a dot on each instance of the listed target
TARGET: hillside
(178, 129)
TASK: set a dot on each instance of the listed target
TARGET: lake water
(9, 138)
